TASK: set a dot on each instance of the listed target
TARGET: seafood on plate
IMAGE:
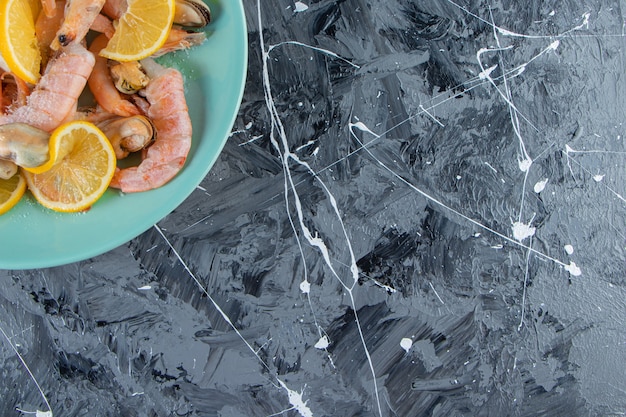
(102, 86)
(128, 134)
(13, 92)
(7, 169)
(56, 95)
(190, 13)
(178, 39)
(167, 108)
(128, 77)
(48, 7)
(78, 17)
(23, 144)
(140, 106)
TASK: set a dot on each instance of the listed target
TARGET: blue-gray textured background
(391, 229)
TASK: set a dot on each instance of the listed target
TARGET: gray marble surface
(420, 212)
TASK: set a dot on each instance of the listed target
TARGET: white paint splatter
(487, 73)
(37, 413)
(323, 343)
(522, 231)
(554, 45)
(440, 203)
(519, 71)
(295, 399)
(305, 287)
(280, 143)
(300, 7)
(406, 344)
(423, 109)
(436, 293)
(569, 249)
(30, 373)
(491, 167)
(540, 185)
(309, 143)
(385, 287)
(573, 269)
(524, 164)
(362, 127)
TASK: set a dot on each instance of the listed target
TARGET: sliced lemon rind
(8, 30)
(134, 19)
(59, 175)
(15, 195)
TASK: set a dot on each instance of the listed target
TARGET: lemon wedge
(141, 30)
(18, 42)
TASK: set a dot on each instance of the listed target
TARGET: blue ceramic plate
(34, 237)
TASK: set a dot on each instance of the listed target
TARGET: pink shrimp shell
(167, 155)
(55, 96)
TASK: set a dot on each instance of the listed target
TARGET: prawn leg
(49, 7)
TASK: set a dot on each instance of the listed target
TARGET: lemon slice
(83, 164)
(18, 42)
(58, 148)
(141, 30)
(11, 191)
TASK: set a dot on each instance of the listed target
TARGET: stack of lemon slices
(82, 161)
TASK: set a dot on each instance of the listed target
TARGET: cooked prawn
(78, 17)
(102, 86)
(169, 112)
(180, 39)
(55, 96)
